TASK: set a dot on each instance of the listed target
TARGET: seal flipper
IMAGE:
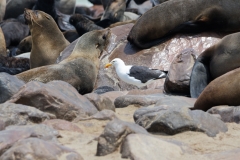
(200, 78)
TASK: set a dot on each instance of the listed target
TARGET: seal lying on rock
(214, 62)
(80, 69)
(192, 16)
(47, 39)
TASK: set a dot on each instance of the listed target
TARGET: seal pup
(83, 24)
(224, 90)
(215, 61)
(80, 69)
(192, 16)
(25, 45)
(47, 39)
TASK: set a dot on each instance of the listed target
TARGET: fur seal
(114, 10)
(3, 49)
(224, 90)
(16, 7)
(83, 24)
(25, 45)
(66, 6)
(193, 16)
(80, 69)
(2, 9)
(215, 61)
(47, 39)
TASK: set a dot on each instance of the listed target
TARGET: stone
(100, 102)
(114, 134)
(142, 147)
(227, 113)
(64, 125)
(56, 97)
(173, 120)
(17, 114)
(137, 100)
(34, 149)
(103, 89)
(9, 85)
(13, 134)
(177, 81)
(175, 101)
(159, 56)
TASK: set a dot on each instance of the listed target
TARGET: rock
(100, 102)
(226, 155)
(17, 114)
(227, 113)
(138, 100)
(56, 97)
(175, 101)
(173, 120)
(113, 135)
(159, 56)
(9, 85)
(101, 115)
(15, 133)
(142, 147)
(103, 89)
(60, 124)
(178, 78)
(34, 149)
(145, 91)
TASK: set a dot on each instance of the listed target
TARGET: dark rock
(17, 114)
(175, 101)
(178, 77)
(15, 133)
(173, 120)
(100, 102)
(227, 113)
(142, 147)
(9, 85)
(114, 134)
(103, 89)
(56, 97)
(60, 124)
(34, 149)
(138, 100)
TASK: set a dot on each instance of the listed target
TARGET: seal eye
(104, 37)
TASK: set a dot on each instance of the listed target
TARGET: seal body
(80, 69)
(3, 49)
(214, 62)
(2, 9)
(193, 16)
(47, 40)
(224, 90)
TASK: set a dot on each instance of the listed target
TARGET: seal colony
(192, 16)
(47, 39)
(80, 69)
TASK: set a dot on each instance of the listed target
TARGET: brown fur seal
(186, 16)
(3, 49)
(2, 9)
(47, 40)
(25, 45)
(224, 90)
(80, 69)
(214, 62)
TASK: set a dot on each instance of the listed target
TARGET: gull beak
(108, 65)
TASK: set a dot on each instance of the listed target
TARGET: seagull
(139, 76)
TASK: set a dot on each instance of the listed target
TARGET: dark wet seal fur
(83, 24)
(13, 65)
